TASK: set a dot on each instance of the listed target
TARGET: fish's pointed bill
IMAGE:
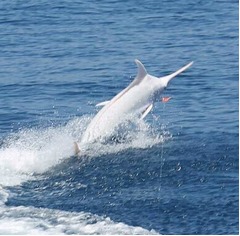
(166, 99)
(171, 76)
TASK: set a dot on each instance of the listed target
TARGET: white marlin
(135, 100)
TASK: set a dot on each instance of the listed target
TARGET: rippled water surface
(177, 174)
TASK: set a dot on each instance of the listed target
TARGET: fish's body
(134, 101)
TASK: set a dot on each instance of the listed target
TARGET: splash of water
(32, 151)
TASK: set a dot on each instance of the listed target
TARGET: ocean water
(177, 172)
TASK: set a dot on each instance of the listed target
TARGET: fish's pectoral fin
(76, 148)
(148, 109)
(102, 103)
(166, 99)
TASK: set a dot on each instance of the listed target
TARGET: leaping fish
(135, 100)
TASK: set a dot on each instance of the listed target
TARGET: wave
(31, 220)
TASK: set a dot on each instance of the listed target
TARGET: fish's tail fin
(76, 148)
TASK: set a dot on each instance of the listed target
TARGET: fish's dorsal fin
(140, 76)
(142, 72)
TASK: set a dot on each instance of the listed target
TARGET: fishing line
(161, 157)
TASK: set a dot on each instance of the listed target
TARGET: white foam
(20, 159)
(30, 220)
(3, 196)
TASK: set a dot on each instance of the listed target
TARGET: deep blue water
(60, 58)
